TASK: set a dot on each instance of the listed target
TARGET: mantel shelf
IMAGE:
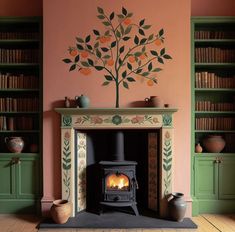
(88, 111)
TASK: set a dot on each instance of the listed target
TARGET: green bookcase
(213, 112)
(21, 113)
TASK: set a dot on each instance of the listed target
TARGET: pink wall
(20, 7)
(73, 18)
(212, 7)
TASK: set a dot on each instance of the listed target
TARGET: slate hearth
(118, 220)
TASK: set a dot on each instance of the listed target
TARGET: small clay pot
(60, 211)
(198, 148)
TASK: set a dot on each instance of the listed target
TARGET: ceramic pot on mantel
(82, 101)
(177, 207)
(214, 143)
(60, 211)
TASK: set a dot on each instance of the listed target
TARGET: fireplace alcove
(80, 155)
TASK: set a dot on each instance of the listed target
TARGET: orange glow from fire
(117, 182)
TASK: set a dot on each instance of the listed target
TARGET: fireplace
(118, 176)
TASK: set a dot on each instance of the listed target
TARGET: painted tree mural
(124, 51)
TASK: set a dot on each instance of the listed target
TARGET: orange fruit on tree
(107, 38)
(142, 56)
(158, 42)
(85, 71)
(127, 21)
(131, 59)
(103, 39)
(84, 54)
(150, 82)
(73, 52)
(110, 62)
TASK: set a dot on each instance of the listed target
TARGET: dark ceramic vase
(177, 207)
(82, 101)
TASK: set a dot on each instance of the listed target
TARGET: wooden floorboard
(205, 222)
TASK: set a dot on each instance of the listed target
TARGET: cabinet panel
(7, 178)
(226, 178)
(206, 178)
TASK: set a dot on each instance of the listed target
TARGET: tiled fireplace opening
(141, 147)
(80, 155)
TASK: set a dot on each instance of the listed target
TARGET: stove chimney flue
(117, 146)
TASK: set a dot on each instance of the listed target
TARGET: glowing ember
(117, 182)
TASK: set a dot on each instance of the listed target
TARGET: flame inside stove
(117, 182)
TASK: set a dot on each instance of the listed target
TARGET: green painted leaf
(106, 23)
(146, 27)
(90, 62)
(88, 38)
(150, 37)
(142, 41)
(161, 32)
(120, 61)
(150, 66)
(160, 60)
(113, 44)
(141, 23)
(100, 10)
(120, 16)
(111, 16)
(118, 34)
(99, 68)
(125, 85)
(96, 32)
(124, 74)
(162, 52)
(126, 38)
(167, 56)
(67, 61)
(104, 49)
(136, 40)
(157, 70)
(141, 32)
(72, 67)
(101, 16)
(85, 64)
(80, 47)
(124, 11)
(137, 54)
(121, 50)
(80, 40)
(106, 57)
(122, 29)
(77, 58)
(129, 15)
(96, 45)
(138, 71)
(89, 46)
(107, 33)
(154, 53)
(98, 53)
(105, 83)
(145, 74)
(108, 78)
(128, 30)
(129, 66)
(130, 79)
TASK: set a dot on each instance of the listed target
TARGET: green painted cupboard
(213, 113)
(21, 113)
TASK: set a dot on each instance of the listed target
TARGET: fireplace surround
(76, 122)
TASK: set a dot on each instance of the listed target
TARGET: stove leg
(134, 207)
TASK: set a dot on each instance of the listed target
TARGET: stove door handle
(135, 183)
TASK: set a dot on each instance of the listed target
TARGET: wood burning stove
(119, 182)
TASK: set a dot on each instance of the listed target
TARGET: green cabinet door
(226, 178)
(27, 172)
(7, 178)
(206, 178)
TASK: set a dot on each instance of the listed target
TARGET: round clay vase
(214, 143)
(60, 211)
(198, 148)
(14, 144)
(177, 207)
(82, 101)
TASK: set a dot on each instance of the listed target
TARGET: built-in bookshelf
(20, 112)
(213, 113)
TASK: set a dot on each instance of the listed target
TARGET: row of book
(17, 123)
(214, 106)
(18, 35)
(18, 55)
(212, 80)
(215, 123)
(11, 81)
(204, 34)
(214, 55)
(10, 104)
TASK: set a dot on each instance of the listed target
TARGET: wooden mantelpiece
(77, 119)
